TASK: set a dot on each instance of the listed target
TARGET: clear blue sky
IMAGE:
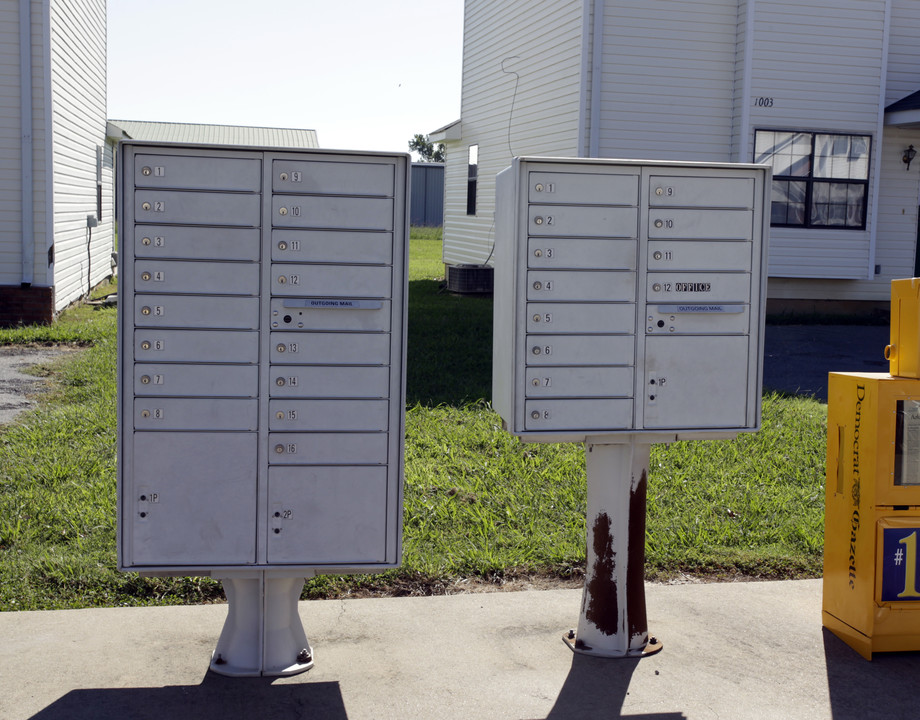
(365, 75)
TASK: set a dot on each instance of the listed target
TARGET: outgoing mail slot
(316, 381)
(580, 350)
(607, 414)
(581, 253)
(585, 220)
(583, 285)
(328, 415)
(205, 346)
(160, 413)
(196, 311)
(183, 493)
(197, 208)
(698, 318)
(332, 212)
(727, 192)
(577, 382)
(197, 173)
(335, 515)
(330, 348)
(581, 318)
(178, 276)
(317, 314)
(332, 246)
(327, 448)
(699, 255)
(332, 281)
(317, 177)
(680, 287)
(196, 243)
(196, 380)
(703, 224)
(583, 188)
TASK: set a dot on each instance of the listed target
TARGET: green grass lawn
(479, 504)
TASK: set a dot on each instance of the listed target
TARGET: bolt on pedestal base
(613, 619)
(263, 634)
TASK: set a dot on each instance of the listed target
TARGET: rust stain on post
(601, 596)
(635, 562)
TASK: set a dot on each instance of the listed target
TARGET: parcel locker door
(327, 515)
(192, 499)
(696, 382)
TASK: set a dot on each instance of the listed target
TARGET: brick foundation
(26, 305)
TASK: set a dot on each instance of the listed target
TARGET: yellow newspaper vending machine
(872, 501)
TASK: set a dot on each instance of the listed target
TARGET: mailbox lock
(656, 287)
(538, 253)
(661, 323)
(537, 318)
(535, 382)
(536, 350)
(145, 241)
(659, 191)
(282, 245)
(283, 176)
(535, 415)
(279, 415)
(145, 413)
(659, 223)
(145, 276)
(280, 382)
(282, 279)
(145, 345)
(280, 347)
(146, 206)
(145, 310)
(537, 220)
(145, 171)
(538, 187)
(145, 379)
(279, 449)
(657, 255)
(538, 285)
(282, 211)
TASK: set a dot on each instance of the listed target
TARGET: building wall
(522, 78)
(82, 255)
(11, 133)
(668, 79)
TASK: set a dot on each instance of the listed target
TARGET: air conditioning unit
(469, 279)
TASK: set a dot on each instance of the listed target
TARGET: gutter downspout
(873, 227)
(583, 95)
(597, 54)
(744, 144)
(27, 206)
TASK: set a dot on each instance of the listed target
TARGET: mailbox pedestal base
(613, 620)
(263, 634)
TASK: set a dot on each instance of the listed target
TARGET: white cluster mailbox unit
(629, 297)
(261, 376)
(629, 300)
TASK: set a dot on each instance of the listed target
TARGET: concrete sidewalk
(735, 650)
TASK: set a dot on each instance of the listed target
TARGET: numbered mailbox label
(900, 564)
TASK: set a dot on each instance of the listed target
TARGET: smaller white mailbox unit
(261, 376)
(629, 300)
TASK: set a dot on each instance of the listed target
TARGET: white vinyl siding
(903, 51)
(11, 145)
(668, 79)
(82, 259)
(541, 43)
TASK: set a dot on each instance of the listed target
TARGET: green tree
(427, 152)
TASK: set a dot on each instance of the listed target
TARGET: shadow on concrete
(886, 687)
(597, 688)
(216, 697)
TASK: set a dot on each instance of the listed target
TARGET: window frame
(472, 177)
(810, 180)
